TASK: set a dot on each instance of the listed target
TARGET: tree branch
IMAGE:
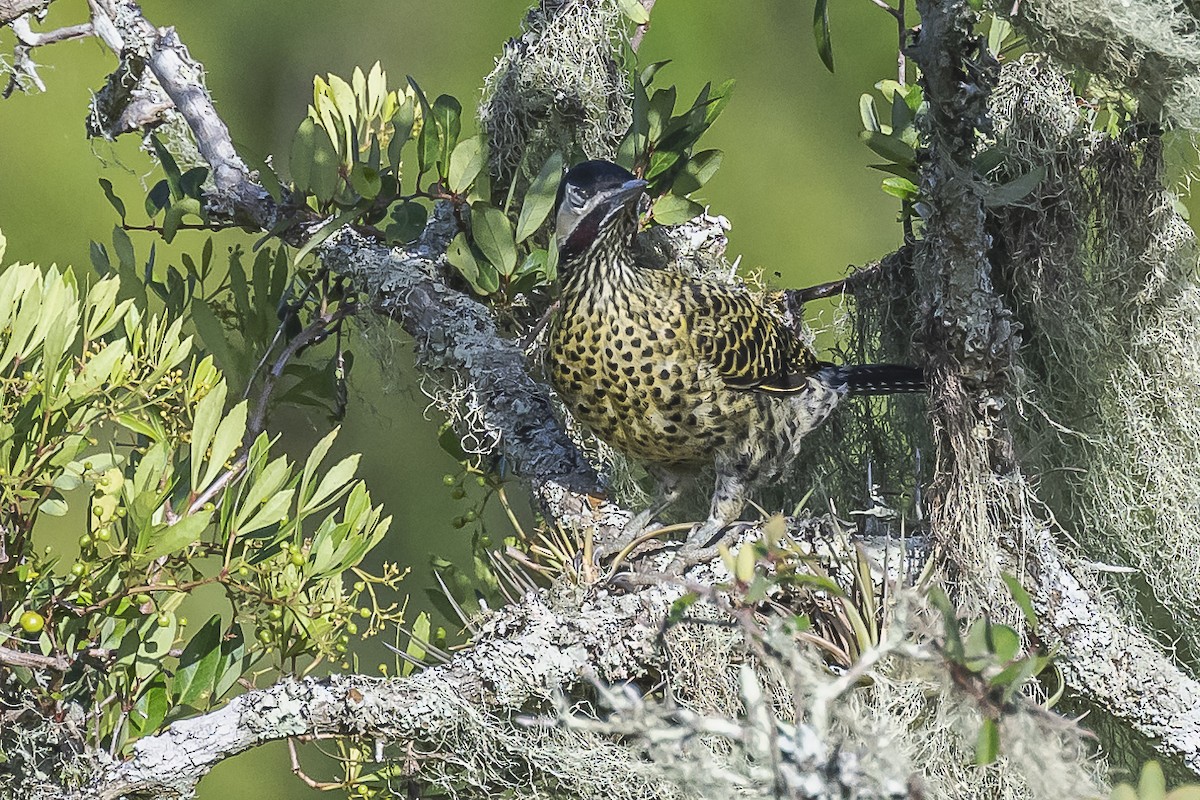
(526, 653)
(11, 9)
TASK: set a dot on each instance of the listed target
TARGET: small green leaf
(866, 110)
(492, 231)
(167, 162)
(1153, 783)
(465, 164)
(225, 443)
(539, 200)
(116, 202)
(1015, 190)
(410, 217)
(634, 11)
(821, 33)
(206, 417)
(198, 664)
(167, 539)
(671, 209)
(54, 507)
(447, 114)
(698, 171)
(99, 257)
(300, 163)
(402, 125)
(1022, 599)
(365, 180)
(325, 164)
(462, 259)
(987, 746)
(902, 188)
(336, 478)
(889, 147)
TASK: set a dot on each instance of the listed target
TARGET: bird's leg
(670, 488)
(729, 498)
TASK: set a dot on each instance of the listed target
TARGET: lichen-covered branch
(11, 9)
(981, 509)
(525, 653)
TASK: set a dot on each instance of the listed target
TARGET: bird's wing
(750, 346)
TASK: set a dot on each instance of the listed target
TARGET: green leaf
(539, 200)
(300, 163)
(402, 125)
(987, 746)
(634, 11)
(821, 33)
(99, 258)
(1022, 599)
(272, 512)
(1015, 190)
(365, 180)
(151, 708)
(492, 231)
(211, 332)
(115, 201)
(410, 218)
(658, 113)
(698, 171)
(336, 478)
(206, 418)
(167, 162)
(902, 188)
(225, 443)
(235, 660)
(866, 110)
(325, 164)
(889, 146)
(462, 259)
(54, 507)
(1153, 783)
(198, 664)
(465, 164)
(447, 114)
(671, 209)
(167, 539)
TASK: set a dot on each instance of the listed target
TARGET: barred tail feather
(877, 378)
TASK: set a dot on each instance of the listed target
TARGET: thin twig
(640, 33)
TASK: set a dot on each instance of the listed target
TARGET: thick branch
(526, 653)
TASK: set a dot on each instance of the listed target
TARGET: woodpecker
(681, 373)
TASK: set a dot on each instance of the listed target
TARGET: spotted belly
(644, 392)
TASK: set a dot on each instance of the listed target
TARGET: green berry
(164, 619)
(351, 628)
(448, 479)
(32, 622)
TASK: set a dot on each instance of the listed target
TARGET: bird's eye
(575, 198)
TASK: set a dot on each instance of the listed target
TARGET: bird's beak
(625, 195)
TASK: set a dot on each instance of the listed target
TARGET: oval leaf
(539, 200)
(492, 231)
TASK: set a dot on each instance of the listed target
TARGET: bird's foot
(703, 544)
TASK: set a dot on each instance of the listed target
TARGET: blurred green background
(794, 184)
